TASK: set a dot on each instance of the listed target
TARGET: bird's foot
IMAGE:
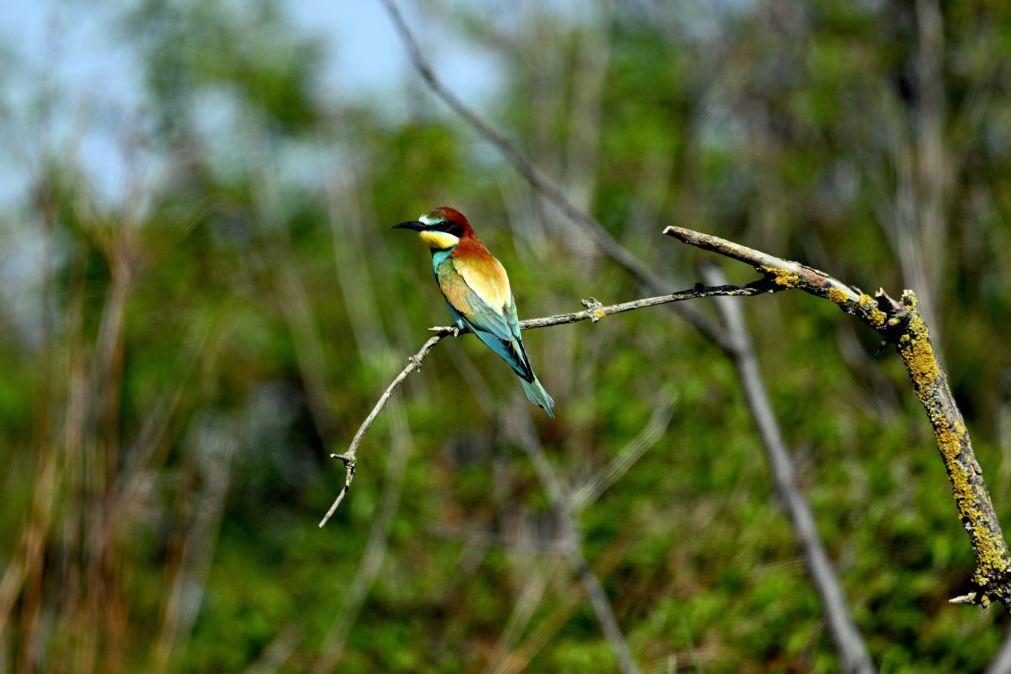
(452, 331)
(595, 307)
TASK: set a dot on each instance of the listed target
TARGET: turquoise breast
(438, 257)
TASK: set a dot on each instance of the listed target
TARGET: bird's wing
(486, 277)
(479, 292)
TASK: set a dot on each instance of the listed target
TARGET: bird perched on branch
(477, 292)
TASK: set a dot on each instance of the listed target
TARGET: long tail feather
(538, 396)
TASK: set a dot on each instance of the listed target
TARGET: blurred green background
(201, 299)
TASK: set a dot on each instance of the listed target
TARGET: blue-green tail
(538, 396)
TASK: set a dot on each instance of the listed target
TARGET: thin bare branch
(594, 312)
(356, 592)
(350, 456)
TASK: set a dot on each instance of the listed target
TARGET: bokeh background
(201, 298)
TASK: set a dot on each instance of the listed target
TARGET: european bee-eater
(477, 292)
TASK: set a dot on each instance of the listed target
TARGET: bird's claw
(454, 331)
(594, 305)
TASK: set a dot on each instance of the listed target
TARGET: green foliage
(278, 310)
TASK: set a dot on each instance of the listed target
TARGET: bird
(477, 292)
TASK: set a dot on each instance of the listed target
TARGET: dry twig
(594, 312)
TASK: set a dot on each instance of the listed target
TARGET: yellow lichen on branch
(900, 323)
(953, 442)
(870, 311)
(784, 278)
(837, 296)
(918, 354)
(991, 552)
(877, 318)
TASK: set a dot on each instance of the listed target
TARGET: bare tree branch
(594, 312)
(900, 323)
(849, 644)
(350, 456)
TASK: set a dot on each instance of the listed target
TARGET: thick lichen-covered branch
(968, 486)
(901, 324)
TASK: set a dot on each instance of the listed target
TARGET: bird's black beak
(413, 225)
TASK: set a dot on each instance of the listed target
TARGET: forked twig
(350, 456)
(594, 313)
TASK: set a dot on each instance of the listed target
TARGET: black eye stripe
(448, 226)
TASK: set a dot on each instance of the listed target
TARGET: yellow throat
(439, 240)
